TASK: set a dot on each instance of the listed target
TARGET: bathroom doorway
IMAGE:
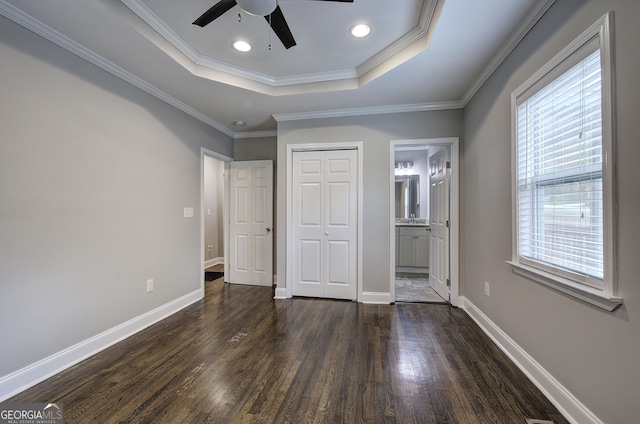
(422, 189)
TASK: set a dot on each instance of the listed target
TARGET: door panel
(338, 206)
(338, 263)
(250, 223)
(260, 244)
(309, 277)
(310, 210)
(325, 214)
(242, 252)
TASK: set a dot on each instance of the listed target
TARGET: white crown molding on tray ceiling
(411, 44)
(14, 14)
(362, 111)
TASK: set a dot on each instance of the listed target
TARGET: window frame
(604, 296)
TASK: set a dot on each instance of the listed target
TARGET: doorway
(212, 211)
(424, 220)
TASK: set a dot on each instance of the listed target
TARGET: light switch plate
(188, 212)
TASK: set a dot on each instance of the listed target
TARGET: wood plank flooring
(238, 356)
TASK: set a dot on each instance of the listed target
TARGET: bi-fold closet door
(325, 215)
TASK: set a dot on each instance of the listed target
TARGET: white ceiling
(421, 55)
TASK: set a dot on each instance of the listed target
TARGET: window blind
(559, 175)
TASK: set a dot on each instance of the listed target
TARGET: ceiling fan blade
(215, 12)
(280, 27)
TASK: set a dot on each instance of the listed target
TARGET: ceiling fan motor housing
(258, 7)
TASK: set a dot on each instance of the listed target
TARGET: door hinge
(447, 223)
(448, 165)
(448, 282)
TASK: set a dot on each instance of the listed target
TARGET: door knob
(326, 233)
(268, 229)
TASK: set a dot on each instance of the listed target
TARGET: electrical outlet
(486, 289)
(149, 285)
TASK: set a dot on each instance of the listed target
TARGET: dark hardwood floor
(238, 356)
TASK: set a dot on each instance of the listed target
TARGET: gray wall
(258, 148)
(375, 132)
(593, 353)
(94, 176)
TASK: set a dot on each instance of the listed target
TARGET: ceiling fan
(270, 9)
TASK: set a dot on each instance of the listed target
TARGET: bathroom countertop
(407, 222)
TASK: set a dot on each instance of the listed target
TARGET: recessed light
(360, 30)
(239, 123)
(242, 46)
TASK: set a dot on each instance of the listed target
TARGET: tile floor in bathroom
(415, 288)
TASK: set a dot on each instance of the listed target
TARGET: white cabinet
(406, 251)
(412, 246)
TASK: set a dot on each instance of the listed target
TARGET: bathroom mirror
(407, 196)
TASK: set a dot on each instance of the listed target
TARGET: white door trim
(207, 152)
(359, 146)
(454, 143)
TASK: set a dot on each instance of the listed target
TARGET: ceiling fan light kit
(258, 7)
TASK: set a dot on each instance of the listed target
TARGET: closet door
(325, 224)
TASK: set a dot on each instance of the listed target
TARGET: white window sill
(586, 294)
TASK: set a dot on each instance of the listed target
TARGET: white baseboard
(411, 269)
(212, 262)
(568, 405)
(376, 298)
(33, 374)
(281, 293)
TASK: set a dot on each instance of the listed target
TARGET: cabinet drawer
(413, 231)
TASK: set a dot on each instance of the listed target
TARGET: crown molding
(411, 44)
(414, 42)
(533, 16)
(151, 19)
(526, 24)
(255, 134)
(28, 22)
(375, 110)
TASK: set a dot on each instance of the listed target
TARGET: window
(562, 182)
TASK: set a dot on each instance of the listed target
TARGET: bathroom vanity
(412, 245)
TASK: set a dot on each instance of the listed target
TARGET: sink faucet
(412, 219)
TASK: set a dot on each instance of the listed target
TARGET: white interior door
(251, 223)
(325, 224)
(439, 222)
